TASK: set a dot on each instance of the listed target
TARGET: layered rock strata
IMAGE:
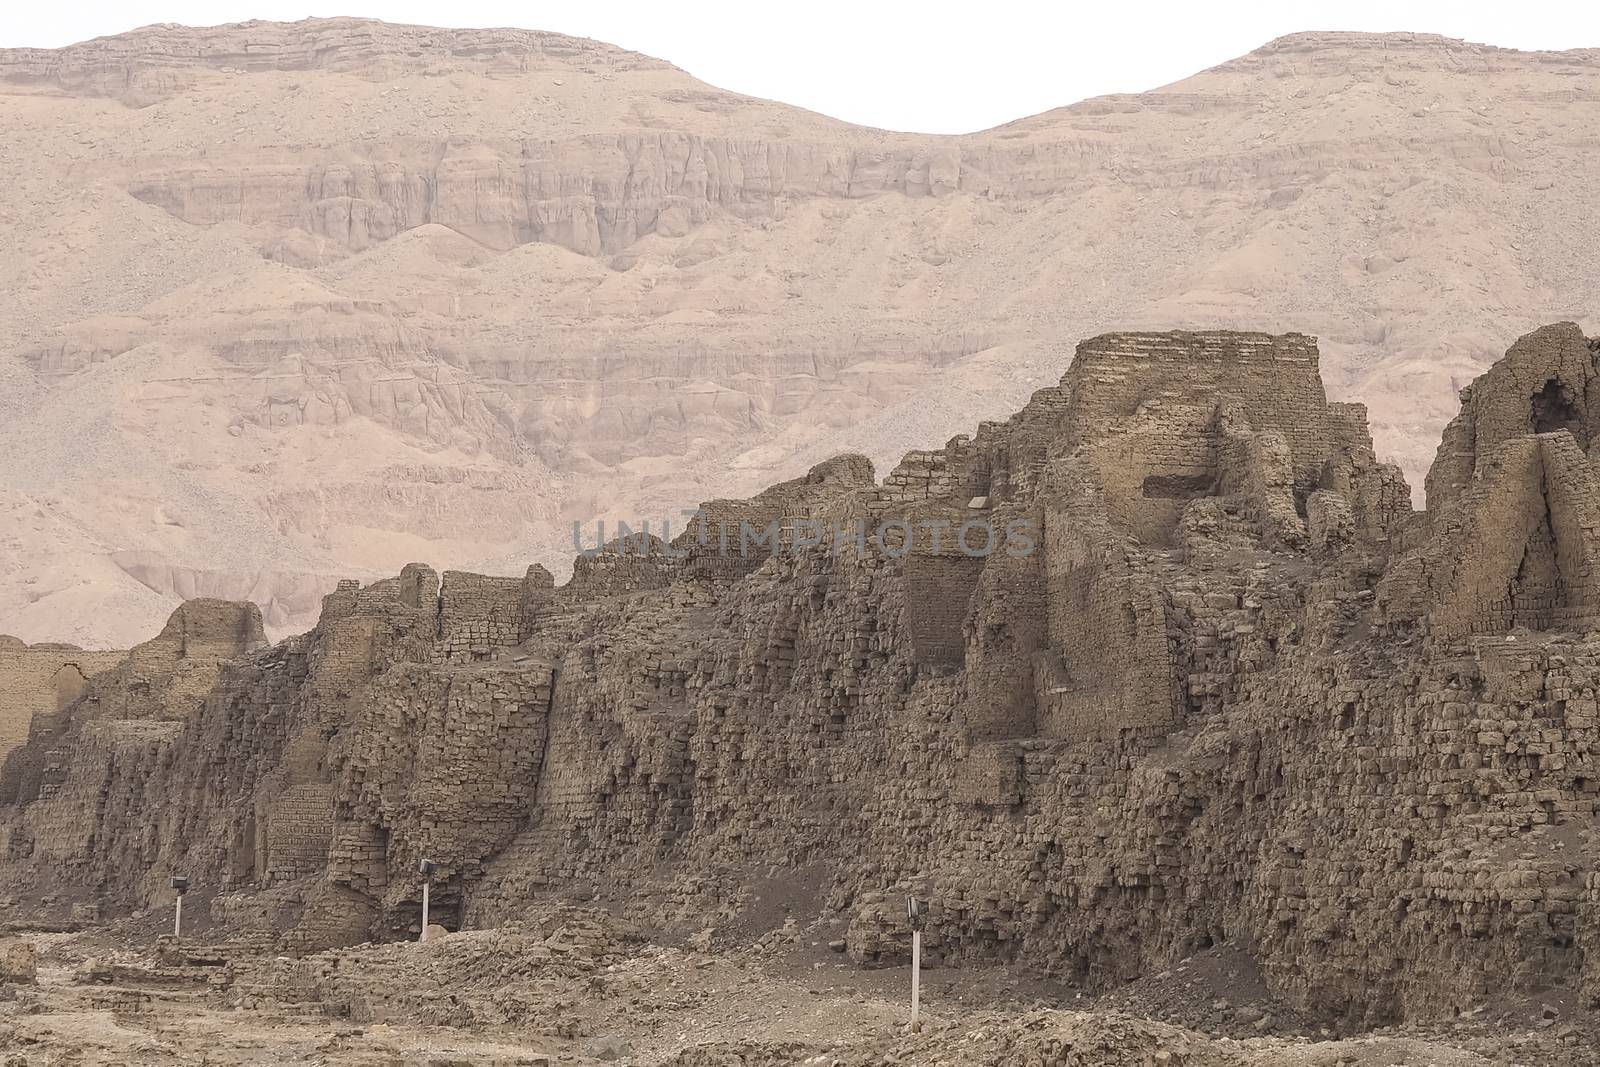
(305, 301)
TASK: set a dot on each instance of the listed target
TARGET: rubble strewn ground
(580, 986)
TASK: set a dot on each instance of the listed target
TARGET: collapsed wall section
(1546, 382)
(1274, 379)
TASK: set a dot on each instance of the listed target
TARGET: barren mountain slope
(294, 302)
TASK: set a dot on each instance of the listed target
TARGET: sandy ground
(583, 988)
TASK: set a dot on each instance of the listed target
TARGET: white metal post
(177, 918)
(916, 975)
(425, 886)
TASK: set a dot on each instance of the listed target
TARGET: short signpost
(426, 869)
(916, 912)
(181, 885)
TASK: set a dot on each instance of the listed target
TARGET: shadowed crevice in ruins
(1178, 486)
(1235, 690)
(1553, 409)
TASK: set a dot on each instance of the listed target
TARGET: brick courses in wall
(41, 680)
(1239, 691)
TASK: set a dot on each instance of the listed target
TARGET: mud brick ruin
(1239, 689)
(38, 681)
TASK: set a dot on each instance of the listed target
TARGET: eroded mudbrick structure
(1237, 690)
(37, 681)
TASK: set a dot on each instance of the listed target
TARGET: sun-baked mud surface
(576, 985)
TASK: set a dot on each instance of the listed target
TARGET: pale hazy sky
(927, 66)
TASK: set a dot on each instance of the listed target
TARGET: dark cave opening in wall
(1553, 409)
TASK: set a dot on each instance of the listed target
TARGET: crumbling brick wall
(1546, 382)
(1272, 378)
(1331, 749)
(41, 680)
(478, 614)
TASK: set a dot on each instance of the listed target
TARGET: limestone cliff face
(1211, 680)
(308, 300)
(112, 65)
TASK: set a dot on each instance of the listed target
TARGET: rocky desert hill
(294, 302)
